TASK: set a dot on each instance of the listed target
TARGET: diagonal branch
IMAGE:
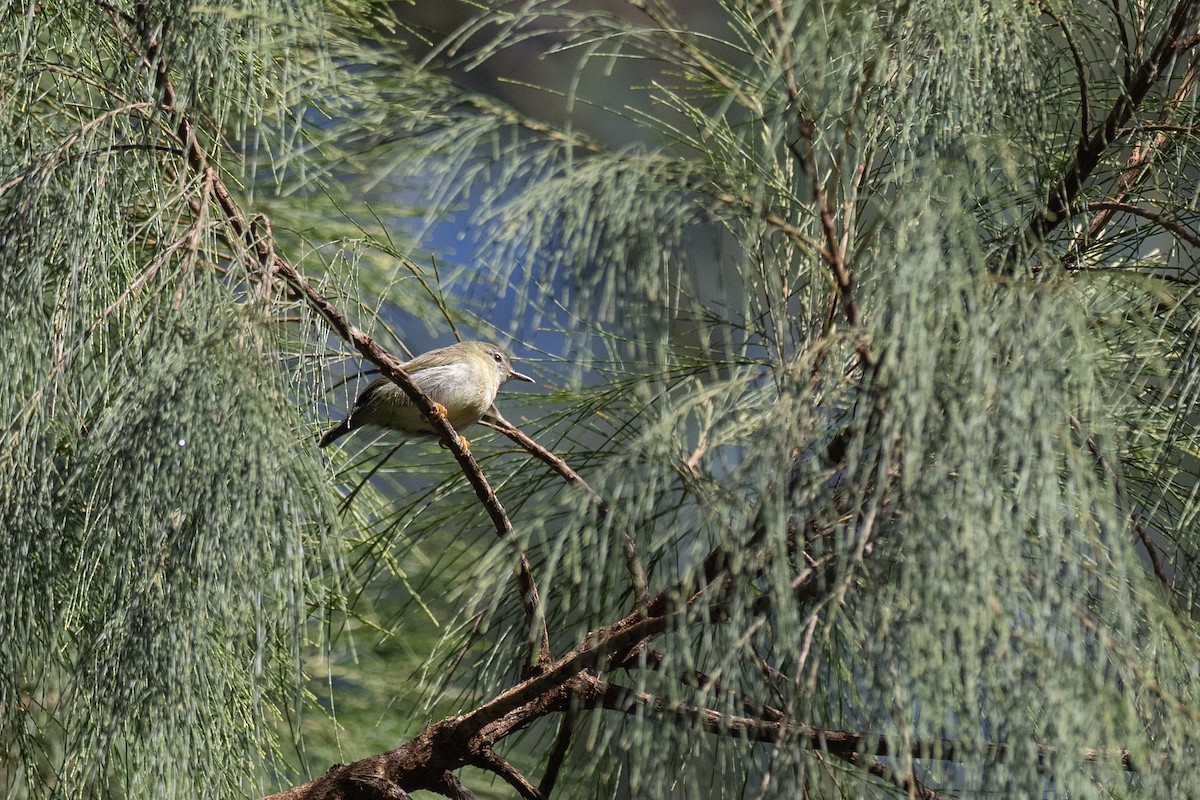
(1182, 231)
(804, 150)
(558, 753)
(1142, 152)
(268, 262)
(1138, 525)
(633, 563)
(512, 776)
(1085, 111)
(1062, 199)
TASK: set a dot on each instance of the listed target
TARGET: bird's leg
(440, 410)
(462, 442)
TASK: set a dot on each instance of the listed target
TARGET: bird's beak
(516, 376)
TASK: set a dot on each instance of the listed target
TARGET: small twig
(46, 166)
(633, 563)
(439, 297)
(633, 701)
(912, 787)
(841, 743)
(772, 218)
(833, 252)
(1139, 527)
(193, 246)
(692, 464)
(1085, 115)
(703, 682)
(558, 752)
(512, 776)
(1126, 49)
(145, 277)
(688, 48)
(1182, 231)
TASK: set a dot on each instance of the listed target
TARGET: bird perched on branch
(462, 380)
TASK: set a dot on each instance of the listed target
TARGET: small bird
(462, 380)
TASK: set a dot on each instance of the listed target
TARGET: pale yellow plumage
(462, 378)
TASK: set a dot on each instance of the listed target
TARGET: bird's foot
(462, 442)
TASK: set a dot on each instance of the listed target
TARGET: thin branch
(836, 257)
(46, 166)
(1182, 231)
(836, 245)
(842, 743)
(1126, 50)
(1143, 534)
(704, 683)
(1143, 152)
(1156, 127)
(909, 784)
(1085, 115)
(269, 262)
(146, 276)
(512, 776)
(772, 218)
(637, 573)
(660, 16)
(558, 753)
(1062, 198)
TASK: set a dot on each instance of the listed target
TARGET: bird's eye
(498, 358)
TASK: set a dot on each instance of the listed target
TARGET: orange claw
(462, 442)
(439, 409)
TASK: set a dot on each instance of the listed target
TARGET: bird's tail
(334, 433)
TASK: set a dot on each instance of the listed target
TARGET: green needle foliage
(872, 333)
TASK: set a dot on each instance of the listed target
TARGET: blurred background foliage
(999, 458)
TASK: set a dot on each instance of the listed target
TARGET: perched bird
(461, 379)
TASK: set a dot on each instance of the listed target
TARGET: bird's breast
(462, 390)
